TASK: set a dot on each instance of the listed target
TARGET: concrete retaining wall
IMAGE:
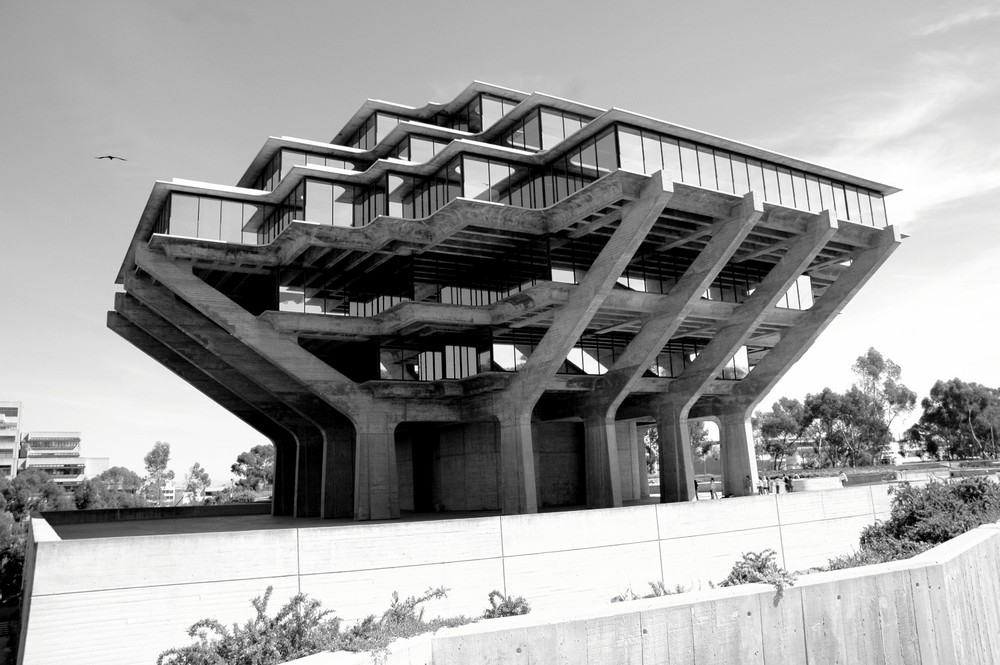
(123, 600)
(940, 607)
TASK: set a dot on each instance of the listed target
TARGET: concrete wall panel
(559, 463)
(813, 544)
(881, 499)
(667, 634)
(560, 580)
(695, 561)
(680, 520)
(553, 532)
(397, 544)
(830, 504)
(104, 563)
(558, 561)
(356, 594)
(128, 626)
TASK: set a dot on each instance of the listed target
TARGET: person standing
(713, 491)
(747, 486)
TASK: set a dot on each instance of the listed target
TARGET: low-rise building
(59, 455)
(10, 434)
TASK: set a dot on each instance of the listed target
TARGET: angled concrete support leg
(518, 493)
(738, 457)
(601, 462)
(376, 482)
(676, 463)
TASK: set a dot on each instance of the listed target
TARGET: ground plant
(656, 589)
(505, 606)
(302, 627)
(760, 567)
(922, 517)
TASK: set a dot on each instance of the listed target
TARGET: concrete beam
(795, 341)
(748, 316)
(258, 377)
(658, 327)
(569, 323)
(310, 495)
(685, 390)
(572, 319)
(285, 444)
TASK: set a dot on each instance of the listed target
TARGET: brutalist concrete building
(471, 305)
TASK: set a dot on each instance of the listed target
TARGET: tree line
(33, 490)
(852, 428)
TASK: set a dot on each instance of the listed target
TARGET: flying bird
(111, 158)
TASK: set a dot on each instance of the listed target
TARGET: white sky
(906, 93)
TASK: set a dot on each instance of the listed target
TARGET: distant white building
(59, 455)
(10, 435)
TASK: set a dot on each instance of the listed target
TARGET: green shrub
(657, 589)
(509, 606)
(760, 568)
(298, 629)
(922, 517)
(301, 628)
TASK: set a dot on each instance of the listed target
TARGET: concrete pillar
(376, 481)
(676, 464)
(639, 436)
(338, 470)
(601, 459)
(632, 460)
(283, 492)
(518, 493)
(737, 451)
(308, 471)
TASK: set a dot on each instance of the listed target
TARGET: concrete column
(601, 460)
(338, 470)
(737, 451)
(518, 493)
(640, 451)
(308, 471)
(676, 464)
(376, 482)
(283, 493)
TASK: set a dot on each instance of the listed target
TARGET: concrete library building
(481, 305)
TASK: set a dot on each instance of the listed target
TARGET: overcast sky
(906, 93)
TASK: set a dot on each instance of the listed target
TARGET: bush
(509, 606)
(298, 629)
(923, 517)
(657, 589)
(13, 538)
(302, 627)
(762, 568)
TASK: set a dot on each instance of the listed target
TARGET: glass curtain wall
(373, 130)
(543, 129)
(282, 162)
(480, 114)
(647, 152)
(418, 149)
(207, 217)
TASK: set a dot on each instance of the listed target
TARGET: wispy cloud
(933, 132)
(965, 18)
